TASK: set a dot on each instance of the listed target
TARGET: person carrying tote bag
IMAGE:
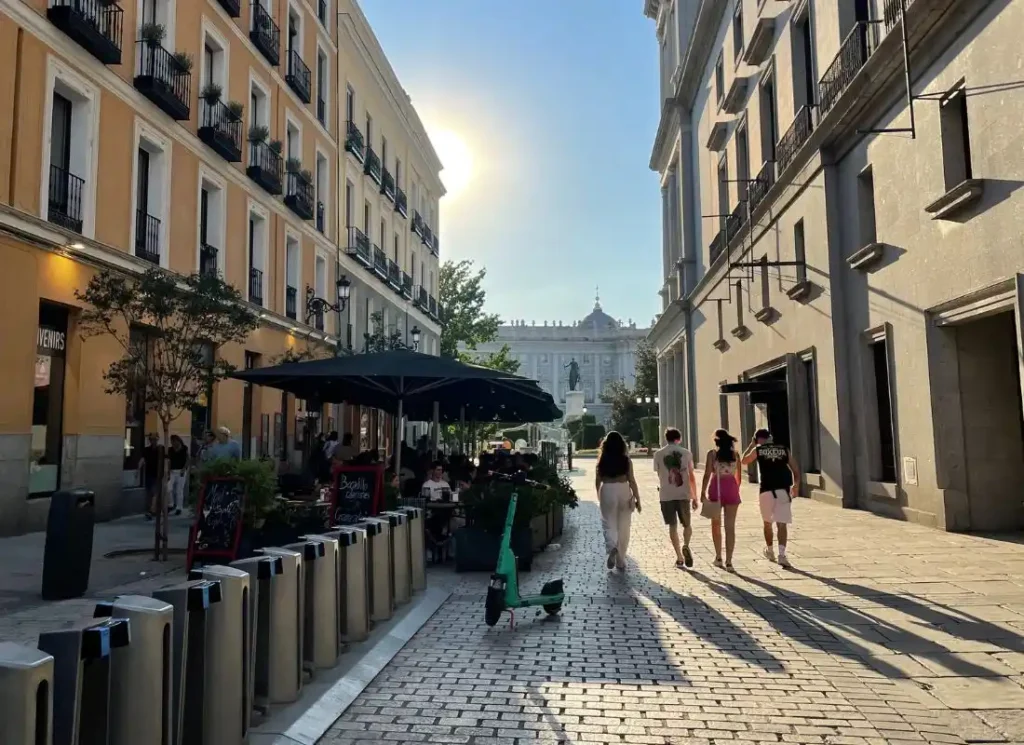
(722, 502)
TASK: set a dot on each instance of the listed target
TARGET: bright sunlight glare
(456, 159)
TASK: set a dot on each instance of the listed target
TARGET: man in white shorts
(778, 475)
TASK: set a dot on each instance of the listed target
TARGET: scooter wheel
(494, 605)
(554, 609)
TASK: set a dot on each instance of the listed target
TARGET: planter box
(558, 520)
(539, 536)
(476, 550)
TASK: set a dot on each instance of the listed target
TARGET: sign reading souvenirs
(51, 341)
(358, 492)
(217, 531)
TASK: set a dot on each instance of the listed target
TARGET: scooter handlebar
(517, 478)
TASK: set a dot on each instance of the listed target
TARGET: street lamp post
(317, 305)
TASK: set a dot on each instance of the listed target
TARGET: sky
(545, 111)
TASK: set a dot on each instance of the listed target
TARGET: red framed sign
(217, 530)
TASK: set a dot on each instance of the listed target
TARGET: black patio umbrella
(483, 400)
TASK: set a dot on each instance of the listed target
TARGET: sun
(457, 161)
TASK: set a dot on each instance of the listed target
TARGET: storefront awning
(753, 386)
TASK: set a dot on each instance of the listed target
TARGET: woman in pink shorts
(722, 500)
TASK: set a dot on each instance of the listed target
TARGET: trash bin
(81, 678)
(140, 673)
(353, 591)
(417, 547)
(67, 556)
(263, 570)
(378, 568)
(228, 644)
(320, 623)
(288, 611)
(26, 695)
(401, 582)
(191, 602)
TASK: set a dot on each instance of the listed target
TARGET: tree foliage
(626, 412)
(646, 359)
(500, 360)
(462, 294)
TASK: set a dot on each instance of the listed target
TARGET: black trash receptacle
(67, 557)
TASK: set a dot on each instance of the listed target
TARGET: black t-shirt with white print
(773, 467)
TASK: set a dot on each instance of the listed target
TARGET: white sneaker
(784, 561)
(769, 553)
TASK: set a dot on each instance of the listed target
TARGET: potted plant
(293, 165)
(211, 93)
(152, 33)
(258, 134)
(260, 479)
(235, 111)
(306, 176)
(275, 146)
(183, 61)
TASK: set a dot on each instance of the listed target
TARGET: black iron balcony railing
(387, 184)
(321, 110)
(419, 297)
(891, 13)
(358, 245)
(435, 245)
(427, 236)
(95, 25)
(65, 203)
(232, 7)
(797, 134)
(265, 34)
(394, 276)
(321, 217)
(406, 286)
(255, 286)
(401, 202)
(371, 166)
(432, 306)
(380, 262)
(717, 246)
(265, 167)
(163, 80)
(290, 302)
(858, 45)
(417, 224)
(220, 129)
(298, 76)
(147, 236)
(298, 196)
(735, 221)
(208, 260)
(759, 187)
(354, 141)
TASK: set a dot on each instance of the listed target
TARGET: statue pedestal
(573, 404)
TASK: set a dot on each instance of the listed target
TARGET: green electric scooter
(503, 590)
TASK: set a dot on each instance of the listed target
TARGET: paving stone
(977, 693)
(1007, 723)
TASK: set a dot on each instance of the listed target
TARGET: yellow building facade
(198, 135)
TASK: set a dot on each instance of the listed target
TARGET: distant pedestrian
(178, 463)
(677, 492)
(722, 501)
(204, 450)
(618, 495)
(149, 465)
(224, 448)
(778, 476)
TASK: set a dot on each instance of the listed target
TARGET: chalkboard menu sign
(358, 492)
(217, 531)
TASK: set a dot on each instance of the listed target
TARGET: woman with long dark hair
(722, 501)
(618, 496)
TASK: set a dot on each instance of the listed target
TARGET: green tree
(462, 294)
(500, 360)
(646, 360)
(169, 329)
(626, 413)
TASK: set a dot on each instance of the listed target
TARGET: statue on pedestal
(574, 373)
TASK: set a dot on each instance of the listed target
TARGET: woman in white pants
(178, 462)
(618, 496)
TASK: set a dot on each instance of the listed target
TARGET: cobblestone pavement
(884, 632)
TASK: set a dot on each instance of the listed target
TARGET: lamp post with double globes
(316, 306)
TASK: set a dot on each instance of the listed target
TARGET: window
(866, 207)
(292, 279)
(294, 31)
(769, 116)
(366, 218)
(350, 104)
(151, 198)
(349, 203)
(259, 106)
(322, 86)
(766, 299)
(214, 63)
(397, 260)
(738, 287)
(369, 131)
(293, 141)
(67, 197)
(210, 254)
(321, 11)
(384, 151)
(723, 405)
(956, 140)
(398, 173)
(885, 466)
(258, 240)
(383, 229)
(800, 251)
(322, 192)
(48, 400)
(813, 457)
(719, 80)
(723, 191)
(737, 30)
(251, 363)
(803, 60)
(742, 162)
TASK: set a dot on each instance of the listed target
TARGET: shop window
(48, 400)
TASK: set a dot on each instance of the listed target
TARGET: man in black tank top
(778, 476)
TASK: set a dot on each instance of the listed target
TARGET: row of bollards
(190, 664)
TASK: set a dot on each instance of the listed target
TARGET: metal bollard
(141, 681)
(288, 611)
(378, 568)
(191, 602)
(263, 570)
(401, 582)
(417, 547)
(228, 646)
(81, 678)
(320, 632)
(353, 590)
(26, 699)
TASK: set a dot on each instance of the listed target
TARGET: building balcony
(417, 224)
(232, 7)
(736, 220)
(406, 286)
(717, 246)
(853, 54)
(371, 166)
(147, 237)
(420, 297)
(291, 296)
(265, 34)
(354, 141)
(394, 276)
(401, 202)
(387, 184)
(95, 25)
(208, 260)
(427, 236)
(221, 130)
(380, 263)
(432, 306)
(163, 81)
(65, 200)
(321, 217)
(797, 134)
(435, 245)
(759, 187)
(321, 110)
(265, 167)
(255, 286)
(298, 195)
(358, 246)
(298, 76)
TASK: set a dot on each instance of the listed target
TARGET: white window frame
(297, 7)
(320, 256)
(255, 81)
(254, 207)
(326, 123)
(146, 133)
(56, 70)
(292, 121)
(326, 196)
(209, 31)
(291, 235)
(221, 186)
(170, 12)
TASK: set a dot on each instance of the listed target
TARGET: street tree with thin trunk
(170, 329)
(462, 294)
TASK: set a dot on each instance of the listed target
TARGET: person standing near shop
(677, 491)
(149, 465)
(178, 463)
(778, 475)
